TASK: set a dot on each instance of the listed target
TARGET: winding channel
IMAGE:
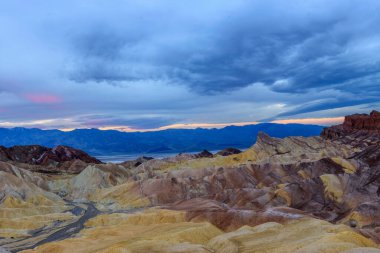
(62, 233)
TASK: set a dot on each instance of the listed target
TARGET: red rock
(362, 122)
(60, 154)
(39, 155)
(355, 128)
(369, 123)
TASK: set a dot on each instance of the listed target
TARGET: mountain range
(101, 142)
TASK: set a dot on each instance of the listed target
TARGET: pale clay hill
(297, 194)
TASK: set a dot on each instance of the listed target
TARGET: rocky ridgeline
(355, 125)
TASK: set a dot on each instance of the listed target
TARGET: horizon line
(326, 121)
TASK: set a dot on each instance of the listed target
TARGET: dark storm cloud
(311, 45)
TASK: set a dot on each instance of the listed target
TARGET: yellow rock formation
(282, 193)
(333, 187)
(124, 196)
(358, 218)
(158, 231)
(149, 231)
(273, 150)
(147, 217)
(306, 235)
(25, 207)
(348, 166)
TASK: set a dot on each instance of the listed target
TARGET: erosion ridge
(296, 194)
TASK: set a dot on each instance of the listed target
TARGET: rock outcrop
(23, 154)
(229, 151)
(47, 160)
(204, 153)
(136, 162)
(357, 129)
(61, 154)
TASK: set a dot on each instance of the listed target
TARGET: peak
(263, 139)
(261, 136)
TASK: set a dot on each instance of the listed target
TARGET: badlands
(297, 194)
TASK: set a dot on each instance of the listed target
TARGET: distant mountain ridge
(98, 142)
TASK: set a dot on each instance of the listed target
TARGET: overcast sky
(151, 64)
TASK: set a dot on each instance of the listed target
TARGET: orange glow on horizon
(315, 121)
(179, 126)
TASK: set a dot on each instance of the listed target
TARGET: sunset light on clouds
(314, 121)
(43, 98)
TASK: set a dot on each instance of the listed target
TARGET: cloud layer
(148, 64)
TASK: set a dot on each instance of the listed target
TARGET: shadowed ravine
(71, 229)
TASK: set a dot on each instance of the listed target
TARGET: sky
(145, 65)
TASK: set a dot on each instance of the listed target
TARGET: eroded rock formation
(357, 129)
(316, 194)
